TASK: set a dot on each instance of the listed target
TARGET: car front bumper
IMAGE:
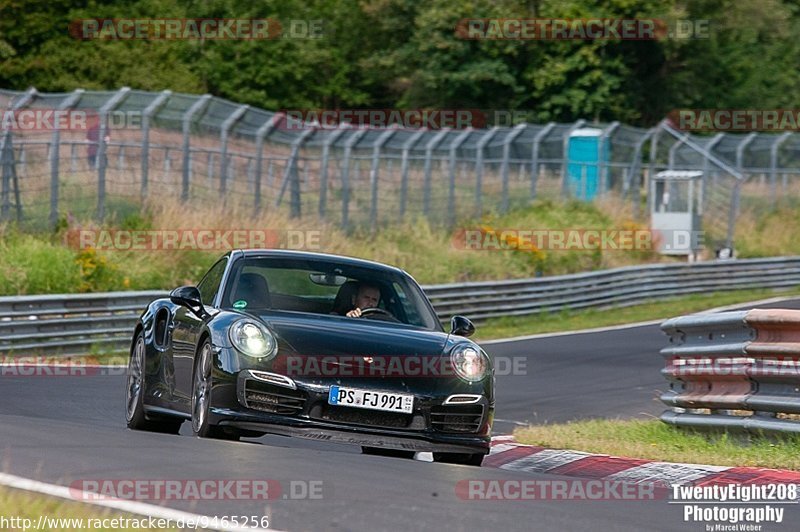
(303, 411)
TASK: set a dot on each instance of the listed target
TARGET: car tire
(135, 415)
(379, 451)
(471, 459)
(201, 397)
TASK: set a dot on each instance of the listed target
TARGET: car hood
(357, 352)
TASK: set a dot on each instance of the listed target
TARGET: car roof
(310, 255)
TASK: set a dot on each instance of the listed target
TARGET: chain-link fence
(205, 149)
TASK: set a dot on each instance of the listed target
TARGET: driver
(368, 295)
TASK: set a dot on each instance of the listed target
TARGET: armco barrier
(71, 324)
(734, 370)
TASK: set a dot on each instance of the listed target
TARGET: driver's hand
(355, 313)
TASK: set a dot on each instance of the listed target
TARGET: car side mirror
(461, 326)
(187, 296)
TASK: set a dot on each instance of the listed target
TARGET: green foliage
(33, 265)
(401, 53)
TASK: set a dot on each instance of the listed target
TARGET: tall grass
(43, 263)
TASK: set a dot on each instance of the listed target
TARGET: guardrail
(734, 370)
(619, 287)
(74, 324)
(70, 323)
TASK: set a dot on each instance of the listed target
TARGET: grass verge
(60, 514)
(588, 319)
(653, 440)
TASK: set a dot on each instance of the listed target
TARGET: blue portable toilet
(585, 161)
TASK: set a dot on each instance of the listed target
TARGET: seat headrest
(253, 289)
(344, 298)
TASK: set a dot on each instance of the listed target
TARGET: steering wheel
(378, 313)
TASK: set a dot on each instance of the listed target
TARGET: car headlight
(469, 362)
(252, 338)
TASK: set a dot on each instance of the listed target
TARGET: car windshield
(326, 287)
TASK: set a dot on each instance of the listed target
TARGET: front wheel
(459, 458)
(134, 395)
(201, 397)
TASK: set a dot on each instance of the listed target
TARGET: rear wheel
(201, 397)
(459, 458)
(134, 395)
(396, 453)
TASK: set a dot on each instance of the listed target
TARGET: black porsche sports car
(316, 346)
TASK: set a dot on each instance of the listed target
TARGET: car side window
(209, 286)
(405, 306)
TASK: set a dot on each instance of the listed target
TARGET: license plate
(389, 402)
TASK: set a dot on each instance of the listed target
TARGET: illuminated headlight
(252, 338)
(469, 363)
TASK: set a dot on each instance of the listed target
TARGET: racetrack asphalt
(61, 429)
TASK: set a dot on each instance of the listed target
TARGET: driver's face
(368, 296)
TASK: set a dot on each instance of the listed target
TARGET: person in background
(93, 136)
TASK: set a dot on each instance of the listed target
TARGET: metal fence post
(55, 145)
(489, 135)
(740, 152)
(633, 172)
(110, 105)
(147, 114)
(565, 156)
(652, 165)
(187, 127)
(734, 209)
(451, 192)
(8, 170)
(673, 151)
(513, 134)
(404, 169)
(602, 171)
(7, 163)
(223, 136)
(290, 175)
(373, 174)
(773, 165)
(716, 139)
(348, 150)
(261, 135)
(330, 140)
(537, 140)
(427, 168)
